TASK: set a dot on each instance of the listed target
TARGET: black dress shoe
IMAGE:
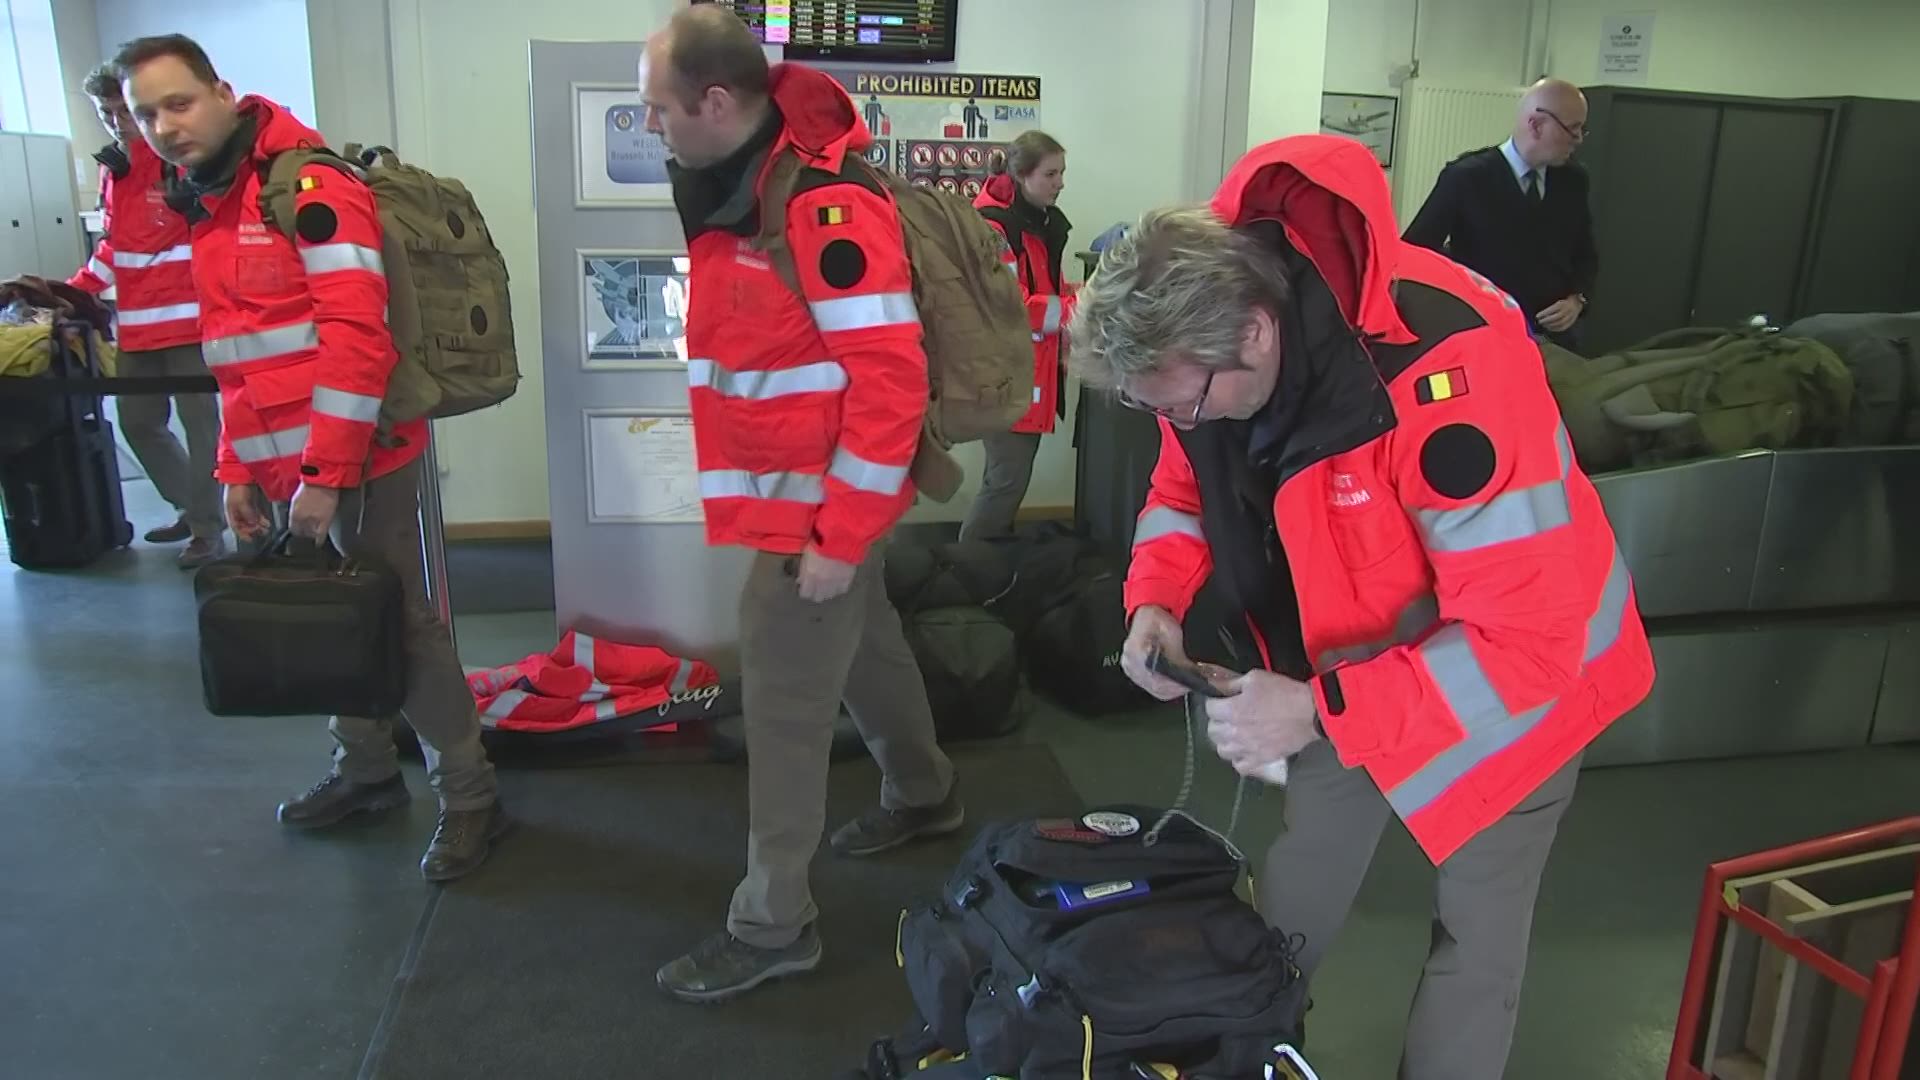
(336, 799)
(462, 841)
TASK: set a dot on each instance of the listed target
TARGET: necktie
(1534, 194)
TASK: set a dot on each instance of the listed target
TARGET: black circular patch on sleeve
(1457, 461)
(843, 264)
(316, 223)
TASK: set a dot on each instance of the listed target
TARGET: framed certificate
(641, 467)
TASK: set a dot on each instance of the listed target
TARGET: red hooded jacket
(143, 256)
(806, 408)
(1444, 574)
(1050, 299)
(295, 331)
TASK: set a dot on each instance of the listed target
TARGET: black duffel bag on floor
(293, 632)
(970, 662)
(1092, 947)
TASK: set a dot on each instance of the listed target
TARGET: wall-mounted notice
(1626, 47)
(641, 467)
(938, 128)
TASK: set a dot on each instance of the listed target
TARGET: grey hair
(1180, 283)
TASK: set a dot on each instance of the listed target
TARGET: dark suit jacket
(1478, 216)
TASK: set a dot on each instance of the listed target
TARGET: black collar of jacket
(115, 158)
(726, 195)
(187, 187)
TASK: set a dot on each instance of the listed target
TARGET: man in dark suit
(1518, 213)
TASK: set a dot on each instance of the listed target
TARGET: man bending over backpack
(294, 329)
(807, 407)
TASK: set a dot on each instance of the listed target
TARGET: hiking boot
(169, 534)
(336, 799)
(462, 841)
(881, 829)
(203, 550)
(723, 966)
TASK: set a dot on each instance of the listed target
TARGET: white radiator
(1441, 123)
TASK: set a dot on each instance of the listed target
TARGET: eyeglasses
(1576, 133)
(1206, 389)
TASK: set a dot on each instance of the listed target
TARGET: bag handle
(326, 558)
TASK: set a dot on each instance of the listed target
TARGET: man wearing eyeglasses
(1518, 213)
(1358, 455)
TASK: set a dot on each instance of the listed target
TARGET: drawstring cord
(1196, 707)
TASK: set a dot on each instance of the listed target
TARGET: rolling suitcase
(61, 495)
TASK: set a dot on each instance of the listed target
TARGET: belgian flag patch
(1441, 386)
(836, 215)
(308, 183)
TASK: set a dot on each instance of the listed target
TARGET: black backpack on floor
(1076, 948)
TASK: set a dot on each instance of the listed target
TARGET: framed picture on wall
(1369, 118)
(617, 161)
(633, 309)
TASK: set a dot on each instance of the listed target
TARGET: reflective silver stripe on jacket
(1414, 621)
(815, 378)
(241, 348)
(332, 258)
(857, 472)
(741, 484)
(502, 707)
(1166, 521)
(100, 270)
(343, 405)
(865, 312)
(273, 445)
(141, 260)
(682, 678)
(1476, 703)
(583, 659)
(153, 315)
(1518, 514)
(1513, 515)
(1050, 323)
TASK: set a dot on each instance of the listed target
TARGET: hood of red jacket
(997, 192)
(1332, 198)
(275, 129)
(821, 122)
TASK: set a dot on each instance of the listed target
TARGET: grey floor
(155, 922)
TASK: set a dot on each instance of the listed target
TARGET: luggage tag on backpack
(1067, 831)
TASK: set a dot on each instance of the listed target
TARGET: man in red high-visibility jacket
(145, 264)
(1360, 448)
(807, 407)
(295, 331)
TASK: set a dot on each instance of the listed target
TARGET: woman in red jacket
(1018, 201)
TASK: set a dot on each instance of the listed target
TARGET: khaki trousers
(799, 661)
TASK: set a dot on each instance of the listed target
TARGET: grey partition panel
(1842, 529)
(1896, 716)
(640, 582)
(1690, 532)
(1760, 212)
(19, 243)
(55, 204)
(1734, 691)
(1647, 219)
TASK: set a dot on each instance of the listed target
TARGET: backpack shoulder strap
(1016, 238)
(789, 176)
(281, 185)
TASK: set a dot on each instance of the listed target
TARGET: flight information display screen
(879, 31)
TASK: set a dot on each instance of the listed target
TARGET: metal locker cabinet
(19, 240)
(55, 205)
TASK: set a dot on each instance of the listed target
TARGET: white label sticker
(1109, 823)
(1106, 889)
